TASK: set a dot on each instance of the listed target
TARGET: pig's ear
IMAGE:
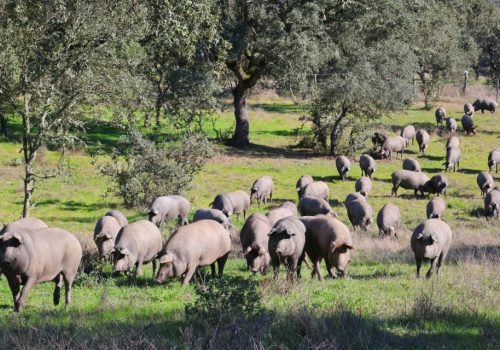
(349, 245)
(262, 251)
(153, 211)
(247, 250)
(108, 235)
(434, 238)
(124, 251)
(272, 232)
(167, 258)
(419, 236)
(333, 246)
(14, 236)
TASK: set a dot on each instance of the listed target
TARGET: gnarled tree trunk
(242, 129)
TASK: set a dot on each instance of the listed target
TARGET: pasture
(380, 305)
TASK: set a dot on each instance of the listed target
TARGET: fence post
(466, 77)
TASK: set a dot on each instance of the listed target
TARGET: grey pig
(451, 125)
(363, 185)
(409, 180)
(201, 243)
(440, 115)
(422, 140)
(212, 214)
(24, 223)
(453, 142)
(408, 133)
(360, 214)
(262, 189)
(353, 197)
(485, 182)
(485, 104)
(468, 109)
(494, 159)
(230, 203)
(468, 124)
(137, 244)
(29, 257)
(395, 144)
(343, 166)
(437, 184)
(367, 165)
(317, 189)
(329, 239)
(168, 208)
(411, 164)
(388, 220)
(122, 219)
(286, 245)
(435, 208)
(302, 182)
(285, 210)
(254, 241)
(431, 240)
(310, 206)
(492, 203)
(105, 232)
(453, 156)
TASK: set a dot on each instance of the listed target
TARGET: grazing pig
(137, 243)
(212, 214)
(367, 165)
(422, 140)
(485, 104)
(29, 257)
(451, 125)
(353, 197)
(492, 203)
(343, 166)
(436, 208)
(230, 203)
(201, 243)
(302, 183)
(283, 211)
(168, 208)
(453, 142)
(310, 206)
(440, 115)
(262, 188)
(395, 144)
(378, 139)
(408, 133)
(431, 240)
(437, 184)
(254, 241)
(485, 182)
(453, 156)
(24, 223)
(388, 220)
(468, 124)
(409, 180)
(105, 232)
(286, 245)
(468, 109)
(494, 159)
(411, 164)
(317, 189)
(122, 219)
(360, 214)
(363, 185)
(329, 239)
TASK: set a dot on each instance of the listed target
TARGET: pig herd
(32, 253)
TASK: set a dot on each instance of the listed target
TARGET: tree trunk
(29, 186)
(241, 132)
(158, 112)
(3, 125)
(333, 134)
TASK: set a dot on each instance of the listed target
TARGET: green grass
(382, 301)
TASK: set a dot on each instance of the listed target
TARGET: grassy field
(381, 304)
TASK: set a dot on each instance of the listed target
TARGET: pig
(485, 104)
(29, 257)
(437, 184)
(453, 156)
(24, 223)
(395, 144)
(310, 206)
(317, 189)
(137, 244)
(453, 142)
(411, 164)
(485, 182)
(367, 165)
(494, 159)
(201, 243)
(329, 239)
(283, 211)
(122, 219)
(105, 232)
(354, 196)
(440, 115)
(378, 139)
(409, 180)
(254, 241)
(212, 214)
(451, 125)
(262, 189)
(302, 183)
(168, 208)
(360, 214)
(286, 245)
(408, 133)
(388, 220)
(422, 140)
(230, 203)
(431, 240)
(468, 109)
(492, 203)
(363, 185)
(468, 124)
(343, 166)
(436, 208)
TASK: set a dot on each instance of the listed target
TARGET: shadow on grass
(74, 205)
(284, 108)
(261, 151)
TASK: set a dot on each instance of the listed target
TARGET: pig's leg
(419, 264)
(221, 262)
(69, 277)
(138, 268)
(154, 262)
(433, 267)
(57, 291)
(189, 274)
(212, 268)
(14, 287)
(24, 293)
